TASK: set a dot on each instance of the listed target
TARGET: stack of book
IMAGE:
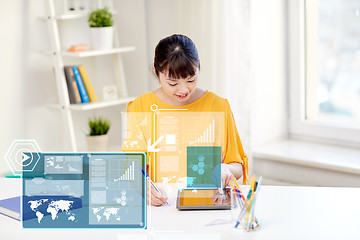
(79, 85)
(79, 48)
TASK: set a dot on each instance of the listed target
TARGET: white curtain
(234, 54)
(230, 61)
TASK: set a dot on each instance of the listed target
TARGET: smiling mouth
(182, 96)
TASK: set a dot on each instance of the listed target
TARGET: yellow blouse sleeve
(234, 151)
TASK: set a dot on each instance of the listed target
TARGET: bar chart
(128, 175)
(123, 174)
(206, 136)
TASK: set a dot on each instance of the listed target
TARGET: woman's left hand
(226, 176)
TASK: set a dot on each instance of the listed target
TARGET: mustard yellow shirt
(144, 122)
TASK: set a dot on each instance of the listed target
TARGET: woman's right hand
(155, 198)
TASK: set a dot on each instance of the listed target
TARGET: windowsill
(314, 155)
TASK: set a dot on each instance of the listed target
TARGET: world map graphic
(53, 207)
(107, 213)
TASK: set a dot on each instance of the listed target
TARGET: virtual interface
(85, 190)
(183, 147)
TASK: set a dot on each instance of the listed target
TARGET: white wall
(12, 90)
(260, 113)
(132, 22)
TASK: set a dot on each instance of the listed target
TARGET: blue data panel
(85, 190)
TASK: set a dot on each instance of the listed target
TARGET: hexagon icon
(201, 158)
(201, 171)
(195, 168)
(201, 164)
(22, 153)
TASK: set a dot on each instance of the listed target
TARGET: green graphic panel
(203, 166)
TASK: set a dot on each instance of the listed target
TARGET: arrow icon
(152, 148)
(24, 157)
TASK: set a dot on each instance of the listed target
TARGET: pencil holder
(243, 210)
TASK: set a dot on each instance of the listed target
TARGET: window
(324, 54)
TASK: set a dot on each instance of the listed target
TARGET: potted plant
(101, 29)
(98, 139)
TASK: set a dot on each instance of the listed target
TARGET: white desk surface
(284, 213)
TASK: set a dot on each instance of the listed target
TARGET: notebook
(11, 207)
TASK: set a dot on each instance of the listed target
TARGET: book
(79, 48)
(73, 89)
(88, 85)
(11, 207)
(82, 90)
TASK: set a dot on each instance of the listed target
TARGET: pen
(242, 195)
(257, 189)
(249, 210)
(237, 185)
(252, 183)
(252, 188)
(152, 183)
(240, 199)
(258, 184)
(236, 193)
(232, 186)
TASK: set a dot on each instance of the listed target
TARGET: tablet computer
(203, 199)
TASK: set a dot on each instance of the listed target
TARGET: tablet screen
(203, 199)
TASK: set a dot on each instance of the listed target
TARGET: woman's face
(179, 90)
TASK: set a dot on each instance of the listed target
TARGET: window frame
(299, 127)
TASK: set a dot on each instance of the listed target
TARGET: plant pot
(97, 143)
(102, 38)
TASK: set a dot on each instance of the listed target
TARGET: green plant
(98, 126)
(100, 18)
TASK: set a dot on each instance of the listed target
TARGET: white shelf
(67, 16)
(96, 105)
(92, 53)
(74, 15)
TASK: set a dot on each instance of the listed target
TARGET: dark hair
(177, 55)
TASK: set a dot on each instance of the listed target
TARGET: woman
(177, 66)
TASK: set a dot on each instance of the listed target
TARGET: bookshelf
(60, 57)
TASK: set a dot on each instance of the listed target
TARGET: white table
(284, 212)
